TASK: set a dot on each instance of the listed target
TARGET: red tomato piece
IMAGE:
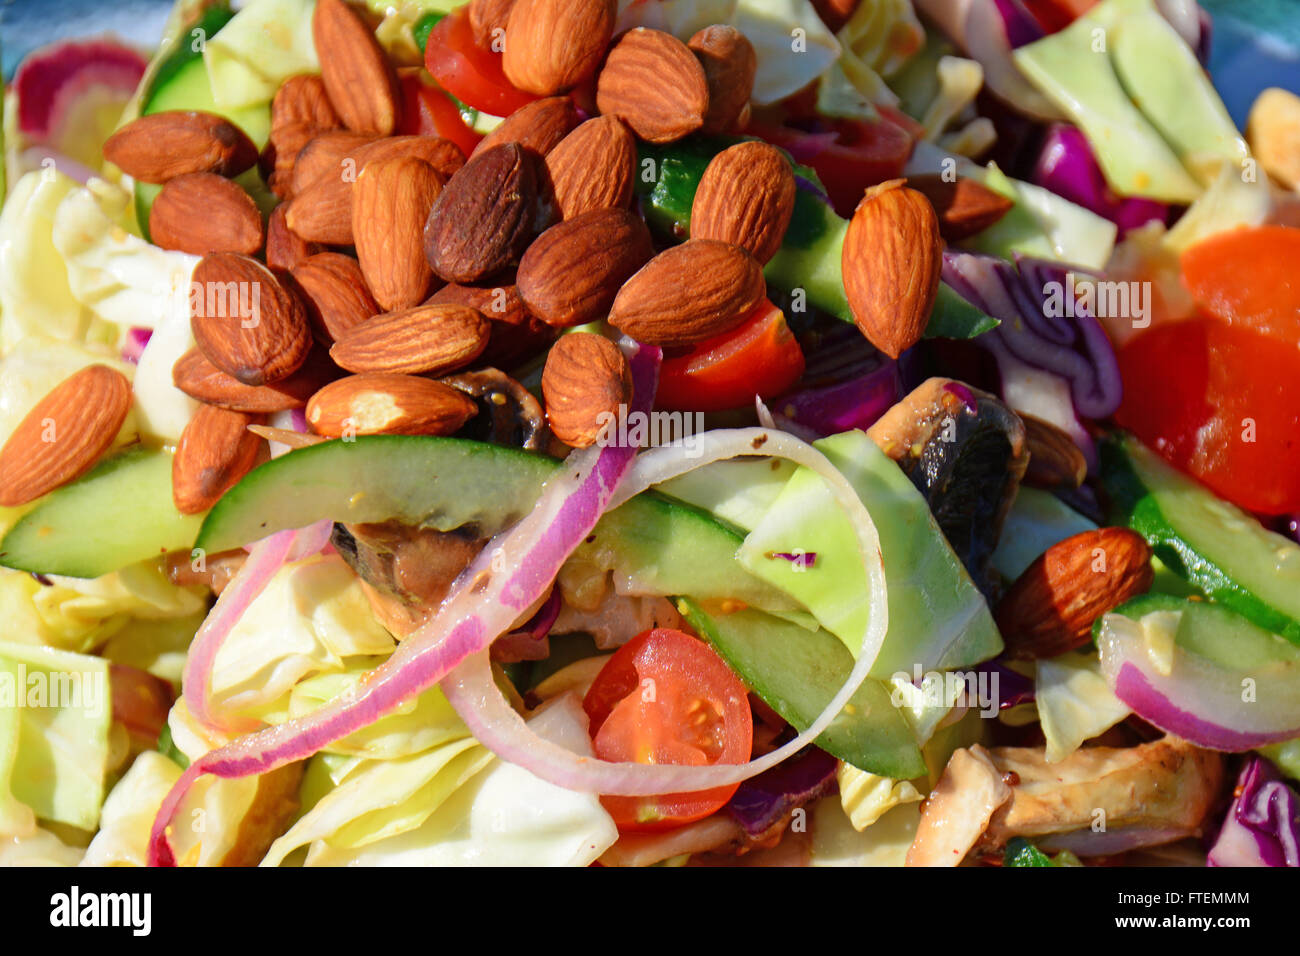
(467, 71)
(428, 111)
(1249, 278)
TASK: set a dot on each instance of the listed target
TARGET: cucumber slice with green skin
(117, 514)
(1215, 546)
(796, 672)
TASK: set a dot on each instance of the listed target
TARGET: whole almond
(201, 380)
(586, 382)
(303, 99)
(890, 262)
(553, 45)
(162, 146)
(688, 293)
(361, 83)
(284, 248)
(427, 338)
(383, 404)
(335, 293)
(485, 216)
(325, 154)
(515, 334)
(216, 450)
(729, 66)
(1055, 461)
(64, 435)
(572, 272)
(1051, 607)
(592, 168)
(964, 207)
(653, 82)
(487, 22)
(745, 197)
(200, 213)
(390, 206)
(281, 156)
(245, 321)
(539, 126)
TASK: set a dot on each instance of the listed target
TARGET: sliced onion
(1018, 23)
(1262, 827)
(476, 697)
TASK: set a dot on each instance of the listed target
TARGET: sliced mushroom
(508, 412)
(958, 810)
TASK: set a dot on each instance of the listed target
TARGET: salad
(665, 432)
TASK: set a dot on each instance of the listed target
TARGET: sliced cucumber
(119, 513)
(1214, 545)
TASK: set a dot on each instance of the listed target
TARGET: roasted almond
(281, 155)
(745, 197)
(427, 338)
(1051, 607)
(201, 380)
(382, 404)
(326, 155)
(515, 335)
(390, 206)
(1055, 461)
(487, 22)
(162, 146)
(200, 213)
(586, 383)
(592, 168)
(335, 293)
(302, 99)
(964, 207)
(245, 321)
(539, 126)
(215, 451)
(485, 216)
(729, 66)
(64, 435)
(890, 262)
(653, 82)
(688, 293)
(284, 248)
(553, 45)
(361, 83)
(572, 272)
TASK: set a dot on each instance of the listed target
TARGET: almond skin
(284, 248)
(516, 334)
(729, 66)
(485, 18)
(1051, 607)
(64, 435)
(200, 213)
(245, 321)
(891, 261)
(427, 338)
(592, 168)
(281, 155)
(324, 155)
(335, 293)
(303, 99)
(485, 215)
(390, 205)
(745, 197)
(553, 45)
(572, 272)
(653, 82)
(382, 404)
(688, 293)
(215, 451)
(201, 380)
(162, 146)
(361, 83)
(964, 207)
(539, 126)
(586, 378)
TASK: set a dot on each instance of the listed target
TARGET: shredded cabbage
(1074, 702)
(263, 45)
(885, 843)
(866, 797)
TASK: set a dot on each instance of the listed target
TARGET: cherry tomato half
(428, 111)
(666, 698)
(760, 356)
(467, 71)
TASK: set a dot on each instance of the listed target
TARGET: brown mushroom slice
(958, 810)
(509, 414)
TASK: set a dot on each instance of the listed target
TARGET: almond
(572, 272)
(1055, 461)
(729, 66)
(335, 293)
(485, 215)
(64, 435)
(688, 293)
(390, 206)
(1051, 607)
(302, 99)
(891, 261)
(427, 338)
(382, 404)
(281, 155)
(487, 21)
(515, 335)
(539, 126)
(653, 82)
(325, 154)
(284, 249)
(964, 207)
(245, 321)
(200, 213)
(586, 382)
(592, 168)
(215, 451)
(162, 146)
(553, 45)
(201, 380)
(745, 197)
(361, 83)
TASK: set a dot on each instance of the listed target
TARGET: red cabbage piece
(1066, 165)
(1262, 827)
(762, 801)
